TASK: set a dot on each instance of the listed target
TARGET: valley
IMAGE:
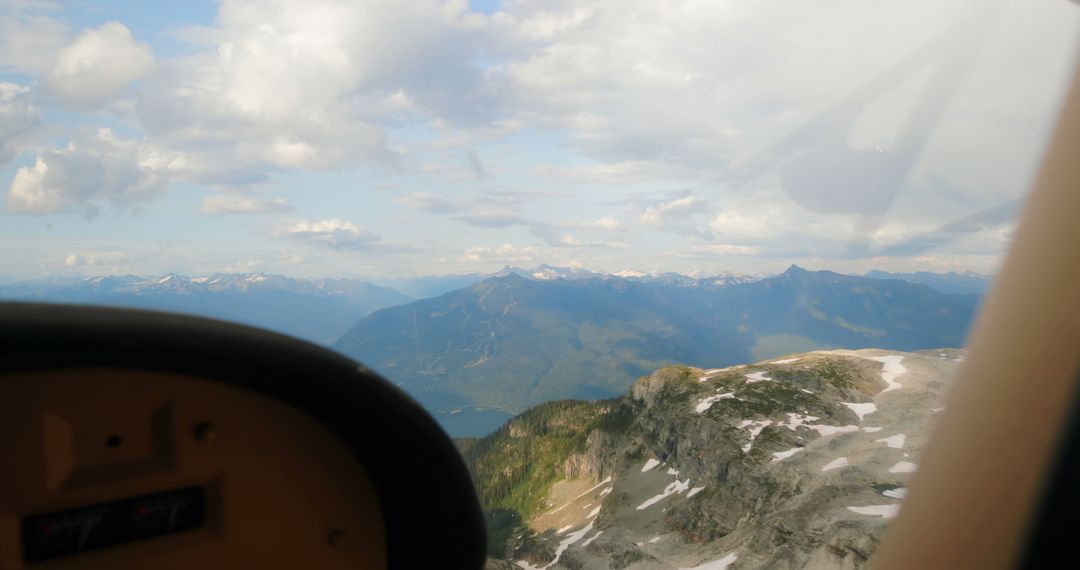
(510, 342)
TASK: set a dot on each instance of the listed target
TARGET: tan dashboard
(272, 487)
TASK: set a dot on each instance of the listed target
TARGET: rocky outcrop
(796, 463)
(599, 458)
(670, 380)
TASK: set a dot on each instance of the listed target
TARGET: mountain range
(478, 355)
(966, 282)
(435, 285)
(793, 463)
(318, 310)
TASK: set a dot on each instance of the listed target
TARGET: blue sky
(383, 138)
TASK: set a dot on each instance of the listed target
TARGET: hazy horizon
(387, 280)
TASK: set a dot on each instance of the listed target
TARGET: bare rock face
(596, 461)
(794, 463)
(649, 388)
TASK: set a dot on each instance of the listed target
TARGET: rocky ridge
(796, 462)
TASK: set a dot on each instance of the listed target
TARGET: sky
(383, 138)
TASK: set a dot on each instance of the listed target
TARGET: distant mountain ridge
(550, 272)
(435, 285)
(966, 282)
(509, 342)
(319, 310)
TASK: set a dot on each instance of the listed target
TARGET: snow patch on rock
(861, 410)
(835, 464)
(673, 488)
(883, 511)
(903, 467)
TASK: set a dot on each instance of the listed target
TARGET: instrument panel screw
(205, 431)
(336, 538)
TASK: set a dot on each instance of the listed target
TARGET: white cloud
(338, 234)
(675, 213)
(605, 223)
(562, 250)
(29, 40)
(744, 225)
(567, 240)
(714, 249)
(91, 173)
(505, 254)
(282, 85)
(699, 85)
(693, 91)
(19, 119)
(98, 65)
(242, 204)
(108, 261)
(333, 232)
(593, 98)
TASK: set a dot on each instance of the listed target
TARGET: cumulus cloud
(334, 232)
(677, 213)
(744, 226)
(505, 254)
(711, 249)
(99, 259)
(280, 85)
(562, 251)
(338, 234)
(991, 227)
(605, 223)
(848, 116)
(701, 85)
(29, 39)
(98, 65)
(19, 120)
(825, 128)
(243, 204)
(91, 173)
